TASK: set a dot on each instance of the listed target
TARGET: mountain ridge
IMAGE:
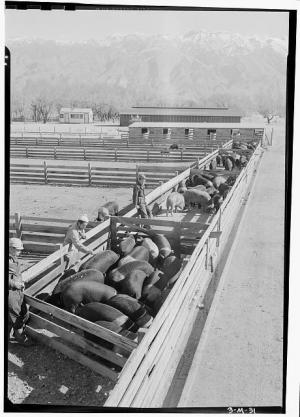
(198, 68)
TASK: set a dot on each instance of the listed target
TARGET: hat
(83, 218)
(142, 176)
(16, 243)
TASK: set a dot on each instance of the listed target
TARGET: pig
(156, 209)
(158, 302)
(132, 308)
(200, 180)
(98, 311)
(217, 201)
(174, 146)
(174, 201)
(133, 283)
(170, 272)
(120, 273)
(85, 292)
(101, 261)
(198, 187)
(224, 190)
(87, 274)
(150, 294)
(139, 253)
(198, 197)
(218, 181)
(126, 245)
(111, 208)
(163, 245)
(125, 260)
(153, 278)
(211, 191)
(152, 248)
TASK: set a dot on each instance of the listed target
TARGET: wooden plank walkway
(239, 359)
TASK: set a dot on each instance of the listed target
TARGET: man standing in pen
(138, 197)
(18, 313)
(74, 236)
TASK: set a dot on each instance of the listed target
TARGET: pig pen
(143, 372)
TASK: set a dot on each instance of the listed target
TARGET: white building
(75, 115)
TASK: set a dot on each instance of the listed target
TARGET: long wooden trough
(142, 369)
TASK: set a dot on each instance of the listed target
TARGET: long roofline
(179, 108)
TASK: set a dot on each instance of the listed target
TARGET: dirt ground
(64, 202)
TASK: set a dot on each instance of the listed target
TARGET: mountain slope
(199, 68)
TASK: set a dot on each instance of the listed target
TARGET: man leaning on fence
(74, 237)
(139, 199)
(18, 313)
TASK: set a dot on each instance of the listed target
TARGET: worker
(74, 236)
(138, 197)
(18, 310)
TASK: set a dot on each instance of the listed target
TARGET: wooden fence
(142, 374)
(111, 141)
(116, 155)
(86, 175)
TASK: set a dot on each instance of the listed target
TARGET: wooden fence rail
(86, 175)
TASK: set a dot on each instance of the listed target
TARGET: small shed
(75, 115)
(190, 131)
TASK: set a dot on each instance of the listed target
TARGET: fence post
(181, 156)
(18, 225)
(116, 155)
(54, 152)
(84, 154)
(90, 173)
(45, 172)
(271, 136)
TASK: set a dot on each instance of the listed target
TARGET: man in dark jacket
(138, 197)
(17, 308)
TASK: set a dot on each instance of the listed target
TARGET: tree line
(44, 110)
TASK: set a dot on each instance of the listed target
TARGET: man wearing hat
(17, 308)
(138, 197)
(74, 236)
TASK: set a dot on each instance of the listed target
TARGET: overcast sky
(97, 24)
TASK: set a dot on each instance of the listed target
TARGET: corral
(200, 247)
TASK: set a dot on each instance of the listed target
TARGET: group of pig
(207, 188)
(123, 289)
(203, 188)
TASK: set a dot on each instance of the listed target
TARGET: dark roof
(199, 125)
(181, 111)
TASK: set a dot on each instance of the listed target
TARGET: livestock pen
(143, 373)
